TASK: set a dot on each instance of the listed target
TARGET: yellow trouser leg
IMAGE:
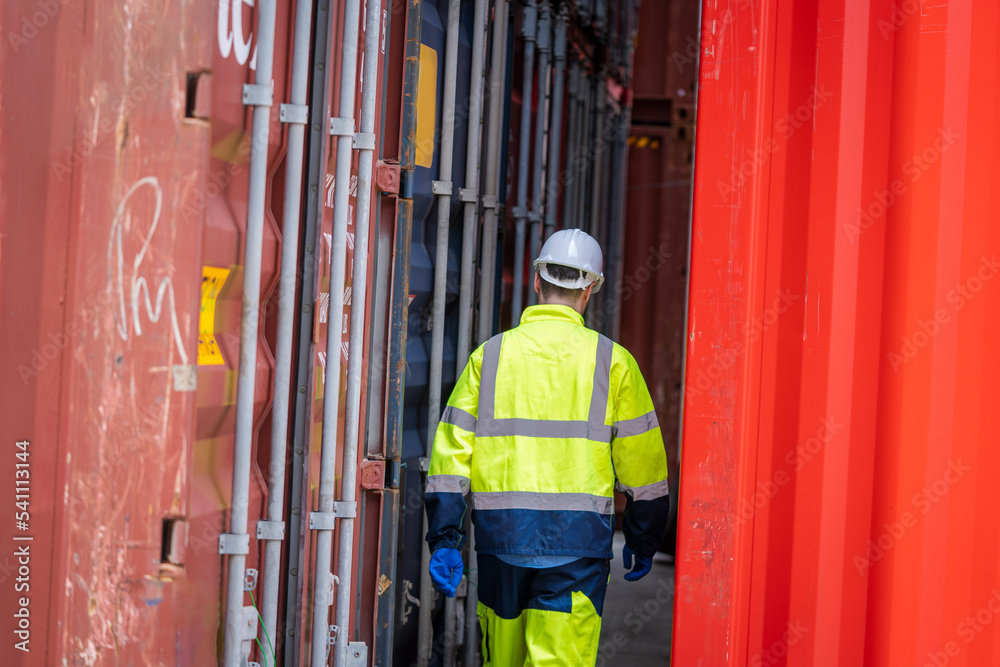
(558, 639)
(503, 639)
(542, 638)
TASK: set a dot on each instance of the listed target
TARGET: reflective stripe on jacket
(545, 421)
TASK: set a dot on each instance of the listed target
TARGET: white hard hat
(576, 249)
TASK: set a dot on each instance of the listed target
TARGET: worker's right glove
(446, 570)
(642, 565)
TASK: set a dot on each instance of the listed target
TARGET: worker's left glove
(642, 565)
(446, 570)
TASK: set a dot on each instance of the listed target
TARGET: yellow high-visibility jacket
(544, 422)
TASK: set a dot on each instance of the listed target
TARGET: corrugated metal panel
(838, 435)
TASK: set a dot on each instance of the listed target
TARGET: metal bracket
(271, 530)
(387, 177)
(331, 639)
(468, 195)
(249, 624)
(231, 544)
(490, 201)
(425, 464)
(373, 474)
(257, 95)
(357, 654)
(294, 113)
(250, 579)
(535, 216)
(519, 212)
(364, 141)
(328, 520)
(342, 127)
(441, 188)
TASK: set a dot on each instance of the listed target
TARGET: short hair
(560, 272)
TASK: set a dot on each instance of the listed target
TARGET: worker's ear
(586, 294)
(538, 284)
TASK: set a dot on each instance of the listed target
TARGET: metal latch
(250, 579)
(357, 654)
(249, 624)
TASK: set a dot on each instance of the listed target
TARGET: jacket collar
(541, 313)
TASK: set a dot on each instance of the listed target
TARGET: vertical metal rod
(286, 323)
(618, 213)
(319, 145)
(322, 577)
(586, 144)
(355, 347)
(243, 439)
(521, 211)
(600, 134)
(469, 195)
(491, 182)
(544, 41)
(574, 151)
(442, 189)
(554, 180)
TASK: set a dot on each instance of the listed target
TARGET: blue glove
(446, 570)
(642, 565)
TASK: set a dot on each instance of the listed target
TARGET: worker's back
(536, 424)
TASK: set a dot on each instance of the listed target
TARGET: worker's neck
(579, 305)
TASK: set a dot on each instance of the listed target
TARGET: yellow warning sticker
(212, 280)
(426, 106)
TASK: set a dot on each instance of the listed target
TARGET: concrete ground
(638, 615)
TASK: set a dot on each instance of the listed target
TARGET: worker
(544, 423)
